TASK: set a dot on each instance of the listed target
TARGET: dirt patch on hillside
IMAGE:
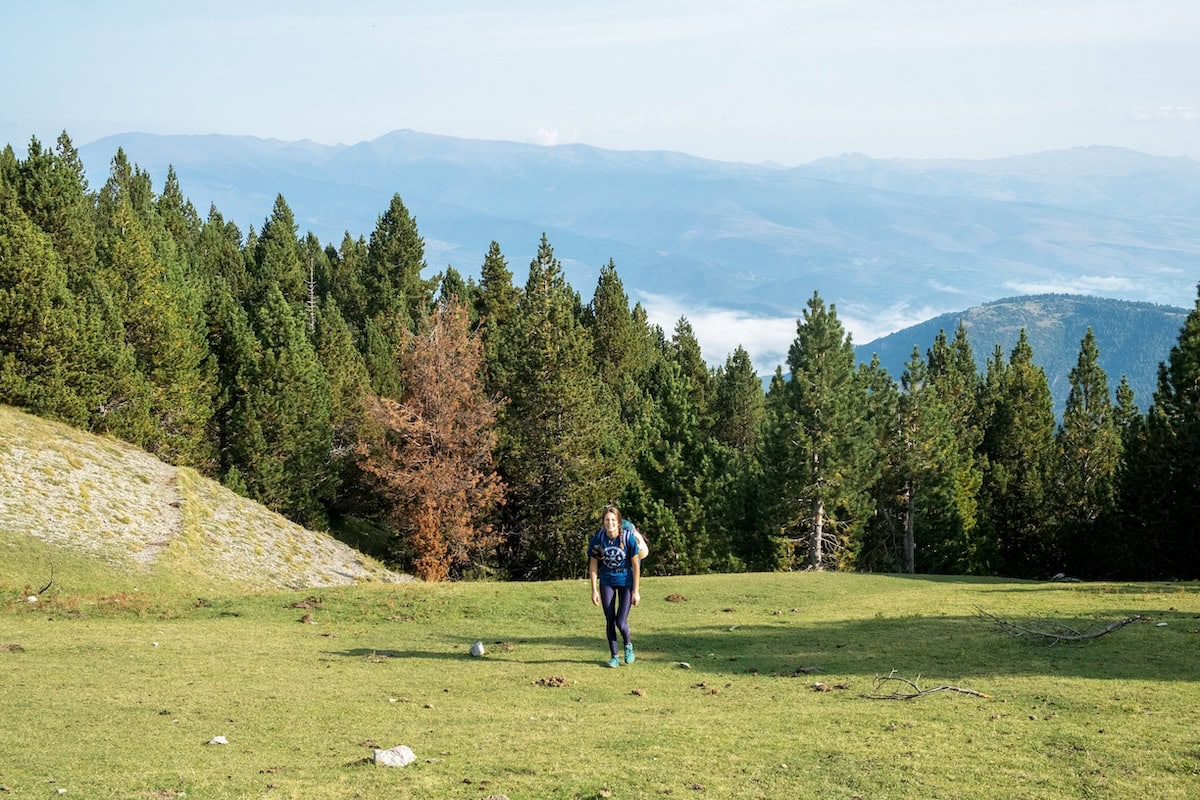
(114, 502)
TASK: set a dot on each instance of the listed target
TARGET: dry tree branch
(51, 581)
(1050, 631)
(917, 691)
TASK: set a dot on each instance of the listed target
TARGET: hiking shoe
(629, 657)
(614, 662)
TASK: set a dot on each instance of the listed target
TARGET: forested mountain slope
(1133, 337)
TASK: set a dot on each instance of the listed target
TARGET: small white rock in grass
(218, 740)
(1160, 624)
(477, 649)
(399, 756)
(684, 665)
(33, 598)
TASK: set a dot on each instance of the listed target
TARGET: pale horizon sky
(785, 81)
(788, 81)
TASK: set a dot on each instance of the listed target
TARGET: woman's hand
(595, 597)
(637, 596)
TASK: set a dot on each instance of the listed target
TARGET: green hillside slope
(74, 502)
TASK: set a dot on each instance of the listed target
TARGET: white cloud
(546, 136)
(721, 330)
(867, 324)
(945, 288)
(767, 339)
(1168, 114)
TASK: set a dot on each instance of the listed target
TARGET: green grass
(117, 688)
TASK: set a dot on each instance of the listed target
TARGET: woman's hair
(615, 510)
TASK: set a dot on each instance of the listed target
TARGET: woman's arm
(637, 580)
(594, 577)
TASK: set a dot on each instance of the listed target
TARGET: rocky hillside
(109, 500)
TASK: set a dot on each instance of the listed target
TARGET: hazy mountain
(884, 240)
(1133, 338)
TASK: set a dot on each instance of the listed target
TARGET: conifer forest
(476, 428)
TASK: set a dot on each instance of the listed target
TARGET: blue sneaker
(629, 657)
(614, 662)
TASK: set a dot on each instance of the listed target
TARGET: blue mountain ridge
(889, 242)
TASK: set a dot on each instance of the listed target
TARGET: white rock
(685, 665)
(399, 756)
(218, 740)
(477, 649)
(31, 599)
(1160, 624)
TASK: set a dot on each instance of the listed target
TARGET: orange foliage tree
(430, 455)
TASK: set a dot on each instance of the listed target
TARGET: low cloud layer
(767, 339)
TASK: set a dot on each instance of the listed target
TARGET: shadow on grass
(575, 650)
(945, 646)
(950, 647)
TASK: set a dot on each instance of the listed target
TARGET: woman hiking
(615, 571)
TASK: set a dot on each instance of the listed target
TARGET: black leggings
(616, 601)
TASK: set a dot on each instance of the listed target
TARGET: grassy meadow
(113, 686)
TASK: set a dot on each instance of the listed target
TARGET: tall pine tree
(557, 439)
(819, 464)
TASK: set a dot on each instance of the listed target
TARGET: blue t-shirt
(614, 557)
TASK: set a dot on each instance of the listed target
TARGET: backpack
(643, 548)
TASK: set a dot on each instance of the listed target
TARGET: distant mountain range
(890, 242)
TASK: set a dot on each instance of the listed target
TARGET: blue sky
(786, 81)
(754, 80)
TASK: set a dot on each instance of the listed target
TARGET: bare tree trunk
(910, 544)
(815, 553)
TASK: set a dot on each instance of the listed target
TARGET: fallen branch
(1053, 632)
(917, 691)
(50, 583)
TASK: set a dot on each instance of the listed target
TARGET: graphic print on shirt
(614, 556)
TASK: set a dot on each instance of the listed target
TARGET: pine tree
(283, 434)
(432, 458)
(454, 288)
(685, 475)
(162, 317)
(818, 461)
(347, 288)
(495, 305)
(685, 351)
(951, 368)
(1019, 444)
(220, 256)
(236, 356)
(179, 218)
(1089, 454)
(277, 260)
(54, 193)
(557, 430)
(884, 542)
(738, 404)
(381, 343)
(392, 273)
(37, 321)
(941, 479)
(349, 387)
(1170, 492)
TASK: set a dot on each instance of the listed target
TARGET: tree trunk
(910, 544)
(816, 555)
